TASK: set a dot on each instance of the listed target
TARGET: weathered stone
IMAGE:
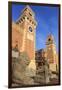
(19, 70)
(42, 76)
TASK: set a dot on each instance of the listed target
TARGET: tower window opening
(30, 14)
(27, 18)
(49, 39)
(19, 21)
(23, 17)
(25, 9)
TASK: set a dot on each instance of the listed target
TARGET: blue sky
(47, 22)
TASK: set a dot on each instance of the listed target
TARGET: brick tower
(23, 35)
(51, 53)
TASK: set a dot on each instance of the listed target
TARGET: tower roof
(28, 7)
(29, 14)
(50, 39)
(50, 36)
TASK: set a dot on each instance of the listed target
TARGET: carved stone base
(31, 69)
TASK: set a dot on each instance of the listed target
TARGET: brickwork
(23, 32)
(51, 53)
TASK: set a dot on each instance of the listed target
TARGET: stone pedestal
(31, 69)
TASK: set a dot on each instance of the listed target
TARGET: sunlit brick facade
(23, 34)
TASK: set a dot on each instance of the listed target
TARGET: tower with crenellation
(23, 35)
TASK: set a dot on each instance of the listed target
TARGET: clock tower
(27, 24)
(51, 53)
